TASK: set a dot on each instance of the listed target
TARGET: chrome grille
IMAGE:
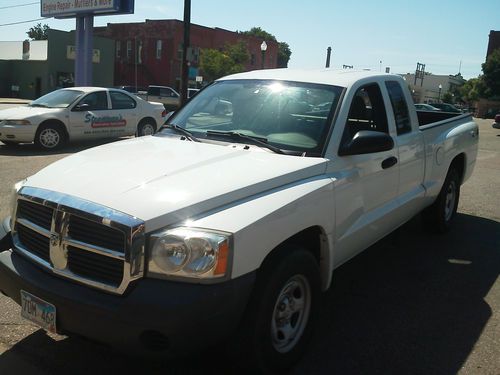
(79, 240)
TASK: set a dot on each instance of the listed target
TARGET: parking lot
(412, 304)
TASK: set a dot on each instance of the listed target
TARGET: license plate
(38, 311)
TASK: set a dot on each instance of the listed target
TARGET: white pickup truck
(229, 222)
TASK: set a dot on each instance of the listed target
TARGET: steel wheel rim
(291, 313)
(49, 138)
(449, 204)
(148, 129)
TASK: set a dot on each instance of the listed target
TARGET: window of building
(129, 49)
(179, 51)
(158, 49)
(399, 107)
(118, 49)
(252, 59)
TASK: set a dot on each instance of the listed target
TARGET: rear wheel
(439, 217)
(50, 137)
(282, 312)
(146, 127)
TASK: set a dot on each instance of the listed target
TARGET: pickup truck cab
(270, 180)
(162, 94)
(79, 113)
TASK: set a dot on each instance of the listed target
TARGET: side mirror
(82, 107)
(367, 142)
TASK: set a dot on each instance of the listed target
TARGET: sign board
(71, 54)
(73, 8)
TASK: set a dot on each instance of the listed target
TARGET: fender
(262, 222)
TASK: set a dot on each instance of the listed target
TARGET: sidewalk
(14, 101)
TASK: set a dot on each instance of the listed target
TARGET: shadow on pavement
(411, 304)
(29, 149)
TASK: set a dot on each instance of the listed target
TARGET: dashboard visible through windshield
(291, 116)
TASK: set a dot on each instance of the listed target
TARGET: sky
(447, 36)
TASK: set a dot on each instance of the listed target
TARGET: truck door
(87, 118)
(366, 183)
(410, 144)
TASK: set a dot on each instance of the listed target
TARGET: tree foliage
(284, 51)
(38, 32)
(491, 77)
(232, 59)
(472, 89)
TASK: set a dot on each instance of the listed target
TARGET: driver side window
(97, 101)
(367, 112)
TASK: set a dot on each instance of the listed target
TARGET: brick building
(493, 42)
(156, 45)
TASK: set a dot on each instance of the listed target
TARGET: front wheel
(439, 216)
(50, 137)
(282, 312)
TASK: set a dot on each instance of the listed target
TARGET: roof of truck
(337, 77)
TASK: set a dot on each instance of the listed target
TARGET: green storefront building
(31, 69)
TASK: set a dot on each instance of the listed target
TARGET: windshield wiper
(260, 141)
(180, 130)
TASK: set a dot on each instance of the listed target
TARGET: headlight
(16, 122)
(189, 253)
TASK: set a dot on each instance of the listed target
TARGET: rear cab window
(399, 107)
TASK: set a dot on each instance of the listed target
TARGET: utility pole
(185, 46)
(328, 53)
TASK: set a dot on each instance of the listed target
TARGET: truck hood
(24, 112)
(164, 180)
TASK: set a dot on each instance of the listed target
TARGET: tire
(281, 314)
(439, 216)
(146, 127)
(50, 137)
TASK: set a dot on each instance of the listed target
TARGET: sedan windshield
(57, 99)
(290, 116)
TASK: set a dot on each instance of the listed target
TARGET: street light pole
(185, 46)
(440, 87)
(263, 48)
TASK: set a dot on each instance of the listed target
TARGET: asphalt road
(412, 304)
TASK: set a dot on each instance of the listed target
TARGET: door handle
(389, 162)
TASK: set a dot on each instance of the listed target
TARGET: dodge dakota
(228, 223)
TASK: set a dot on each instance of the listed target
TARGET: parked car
(491, 113)
(79, 113)
(162, 94)
(425, 107)
(496, 124)
(229, 222)
(447, 107)
(132, 89)
(192, 92)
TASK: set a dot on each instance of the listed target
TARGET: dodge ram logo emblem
(58, 254)
(54, 239)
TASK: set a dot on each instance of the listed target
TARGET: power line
(17, 23)
(19, 5)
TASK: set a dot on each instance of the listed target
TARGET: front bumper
(153, 316)
(17, 133)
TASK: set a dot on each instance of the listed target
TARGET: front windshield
(57, 99)
(290, 115)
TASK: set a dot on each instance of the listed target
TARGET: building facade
(31, 69)
(493, 42)
(150, 52)
(432, 87)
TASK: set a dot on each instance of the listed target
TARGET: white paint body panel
(264, 198)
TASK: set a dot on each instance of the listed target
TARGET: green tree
(232, 59)
(447, 97)
(284, 51)
(38, 32)
(491, 77)
(472, 89)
